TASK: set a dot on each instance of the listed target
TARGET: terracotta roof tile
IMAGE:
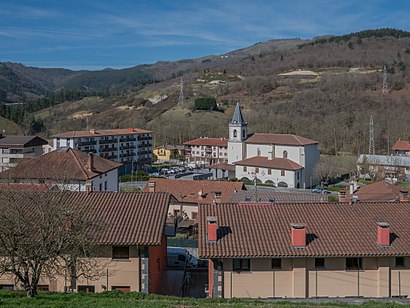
(21, 141)
(274, 163)
(62, 164)
(187, 190)
(273, 196)
(102, 133)
(126, 218)
(379, 192)
(223, 166)
(222, 142)
(26, 186)
(401, 145)
(279, 139)
(336, 229)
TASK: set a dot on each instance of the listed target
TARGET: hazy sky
(97, 34)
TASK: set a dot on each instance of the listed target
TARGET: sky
(96, 34)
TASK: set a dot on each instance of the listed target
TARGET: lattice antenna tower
(384, 89)
(371, 136)
(181, 92)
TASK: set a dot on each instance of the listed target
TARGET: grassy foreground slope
(116, 299)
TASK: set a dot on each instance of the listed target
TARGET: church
(284, 160)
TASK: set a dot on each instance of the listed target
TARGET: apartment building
(206, 151)
(264, 250)
(128, 146)
(131, 244)
(15, 148)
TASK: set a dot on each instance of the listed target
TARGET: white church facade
(281, 159)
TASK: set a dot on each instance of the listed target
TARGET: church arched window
(235, 133)
(258, 152)
(285, 154)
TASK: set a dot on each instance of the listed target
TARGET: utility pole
(371, 136)
(384, 89)
(181, 93)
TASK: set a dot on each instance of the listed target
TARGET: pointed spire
(237, 116)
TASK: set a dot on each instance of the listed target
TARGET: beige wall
(120, 273)
(298, 278)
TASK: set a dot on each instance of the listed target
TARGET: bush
(205, 103)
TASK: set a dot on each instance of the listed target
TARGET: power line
(371, 136)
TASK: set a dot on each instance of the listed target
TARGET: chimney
(151, 186)
(354, 185)
(92, 131)
(298, 235)
(212, 228)
(90, 162)
(383, 234)
(404, 195)
(218, 196)
(351, 188)
(200, 195)
(343, 196)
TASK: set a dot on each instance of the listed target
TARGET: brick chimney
(298, 235)
(151, 186)
(200, 195)
(343, 196)
(212, 228)
(404, 195)
(90, 162)
(383, 234)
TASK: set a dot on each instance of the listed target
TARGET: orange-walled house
(264, 250)
(132, 245)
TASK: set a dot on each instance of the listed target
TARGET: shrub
(205, 103)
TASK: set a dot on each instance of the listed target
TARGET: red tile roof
(125, 218)
(221, 142)
(26, 186)
(62, 164)
(274, 163)
(187, 190)
(102, 133)
(223, 166)
(333, 229)
(378, 192)
(273, 196)
(401, 145)
(279, 139)
(21, 141)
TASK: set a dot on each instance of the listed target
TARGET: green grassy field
(116, 299)
(9, 127)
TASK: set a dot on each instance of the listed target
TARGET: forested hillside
(325, 89)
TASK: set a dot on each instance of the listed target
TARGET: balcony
(142, 138)
(127, 154)
(108, 149)
(127, 139)
(109, 156)
(127, 147)
(84, 143)
(103, 141)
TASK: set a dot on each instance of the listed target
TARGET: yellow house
(169, 152)
(261, 250)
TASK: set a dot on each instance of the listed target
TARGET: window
(87, 289)
(120, 252)
(243, 133)
(353, 264)
(276, 263)
(319, 262)
(258, 152)
(176, 212)
(100, 186)
(105, 185)
(245, 169)
(241, 264)
(256, 170)
(124, 289)
(8, 287)
(194, 215)
(282, 173)
(285, 154)
(399, 261)
(235, 133)
(43, 287)
(269, 171)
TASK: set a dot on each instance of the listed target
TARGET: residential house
(189, 194)
(262, 250)
(132, 243)
(280, 159)
(15, 148)
(68, 169)
(389, 167)
(401, 148)
(131, 146)
(169, 152)
(206, 151)
(381, 191)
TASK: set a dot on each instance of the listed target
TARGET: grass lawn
(117, 299)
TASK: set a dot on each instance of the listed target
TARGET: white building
(206, 151)
(67, 169)
(15, 148)
(121, 145)
(280, 159)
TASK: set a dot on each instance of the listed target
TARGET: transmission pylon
(371, 136)
(384, 89)
(181, 93)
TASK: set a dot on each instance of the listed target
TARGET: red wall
(210, 277)
(157, 262)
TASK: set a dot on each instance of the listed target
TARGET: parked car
(319, 190)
